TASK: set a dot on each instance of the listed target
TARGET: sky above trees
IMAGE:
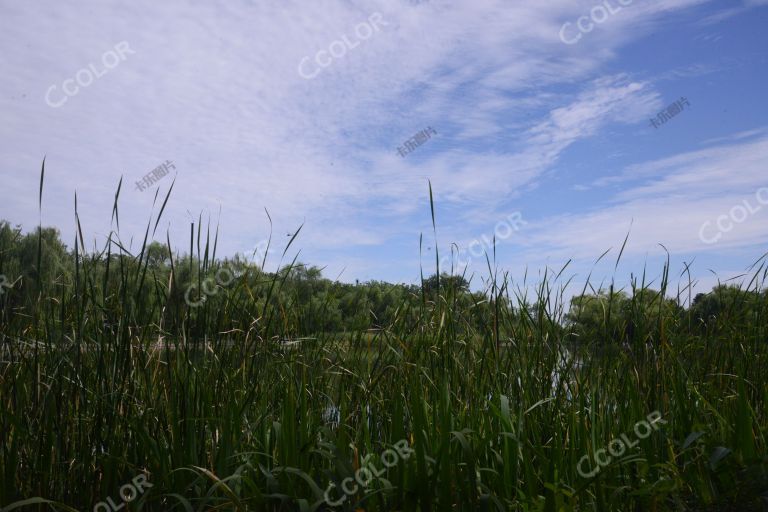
(550, 109)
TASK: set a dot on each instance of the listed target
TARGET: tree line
(168, 290)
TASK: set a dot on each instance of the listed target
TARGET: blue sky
(525, 122)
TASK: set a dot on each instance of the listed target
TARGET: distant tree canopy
(454, 284)
(617, 317)
(39, 265)
(174, 281)
(729, 305)
(19, 258)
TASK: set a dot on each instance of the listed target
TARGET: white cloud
(667, 201)
(216, 89)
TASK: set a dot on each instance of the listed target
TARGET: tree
(448, 283)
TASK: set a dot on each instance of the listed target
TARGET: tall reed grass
(111, 376)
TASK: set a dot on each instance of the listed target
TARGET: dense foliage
(283, 383)
(314, 304)
(173, 286)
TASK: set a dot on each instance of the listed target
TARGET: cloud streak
(217, 90)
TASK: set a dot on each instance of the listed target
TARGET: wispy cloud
(666, 201)
(216, 89)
